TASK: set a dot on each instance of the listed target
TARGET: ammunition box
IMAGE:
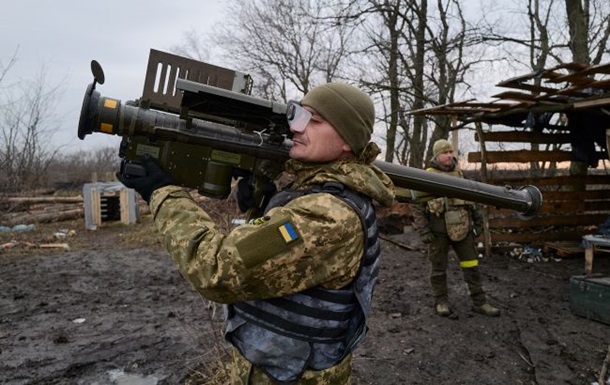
(590, 297)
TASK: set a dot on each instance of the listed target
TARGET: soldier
(448, 222)
(298, 281)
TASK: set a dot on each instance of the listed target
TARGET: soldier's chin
(298, 152)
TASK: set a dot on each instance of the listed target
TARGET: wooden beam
(561, 207)
(559, 180)
(530, 87)
(515, 95)
(555, 220)
(523, 137)
(537, 237)
(596, 69)
(592, 103)
(526, 156)
(521, 156)
(575, 195)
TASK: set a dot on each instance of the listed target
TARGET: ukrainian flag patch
(288, 233)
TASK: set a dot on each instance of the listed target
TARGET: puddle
(119, 377)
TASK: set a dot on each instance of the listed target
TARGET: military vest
(316, 328)
(455, 212)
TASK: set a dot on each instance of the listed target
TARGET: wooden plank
(461, 108)
(523, 137)
(515, 95)
(561, 207)
(96, 206)
(574, 195)
(600, 68)
(559, 180)
(526, 156)
(555, 220)
(574, 78)
(537, 237)
(529, 87)
(589, 259)
(565, 207)
(125, 206)
(548, 73)
(564, 249)
(598, 102)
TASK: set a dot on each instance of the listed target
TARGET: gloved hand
(427, 238)
(245, 193)
(145, 185)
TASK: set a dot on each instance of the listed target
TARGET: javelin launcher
(203, 128)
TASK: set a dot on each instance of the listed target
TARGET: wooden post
(589, 251)
(125, 205)
(486, 232)
(96, 206)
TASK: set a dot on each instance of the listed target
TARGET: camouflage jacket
(425, 221)
(321, 246)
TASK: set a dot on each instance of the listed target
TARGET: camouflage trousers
(438, 254)
(244, 373)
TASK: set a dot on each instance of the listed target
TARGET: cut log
(31, 200)
(43, 217)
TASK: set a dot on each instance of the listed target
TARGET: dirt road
(111, 311)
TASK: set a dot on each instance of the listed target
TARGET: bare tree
(5, 68)
(287, 45)
(379, 62)
(193, 46)
(26, 127)
(73, 169)
(423, 51)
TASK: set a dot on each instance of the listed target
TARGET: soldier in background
(298, 282)
(449, 222)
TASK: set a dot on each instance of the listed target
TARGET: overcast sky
(63, 36)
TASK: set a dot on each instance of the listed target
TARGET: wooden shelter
(559, 114)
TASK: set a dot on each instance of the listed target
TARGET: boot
(442, 309)
(486, 309)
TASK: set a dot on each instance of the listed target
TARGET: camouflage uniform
(255, 261)
(451, 221)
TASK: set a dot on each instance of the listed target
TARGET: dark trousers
(466, 252)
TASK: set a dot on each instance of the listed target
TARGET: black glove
(145, 185)
(245, 193)
(427, 238)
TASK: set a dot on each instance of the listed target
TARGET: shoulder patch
(275, 236)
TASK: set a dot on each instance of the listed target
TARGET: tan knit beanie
(440, 146)
(349, 110)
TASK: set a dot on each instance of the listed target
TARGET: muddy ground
(114, 310)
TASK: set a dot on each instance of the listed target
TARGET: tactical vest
(440, 205)
(455, 212)
(316, 328)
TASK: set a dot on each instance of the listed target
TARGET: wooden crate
(109, 202)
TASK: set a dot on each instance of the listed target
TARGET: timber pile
(43, 209)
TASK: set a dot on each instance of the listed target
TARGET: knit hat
(349, 110)
(440, 146)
